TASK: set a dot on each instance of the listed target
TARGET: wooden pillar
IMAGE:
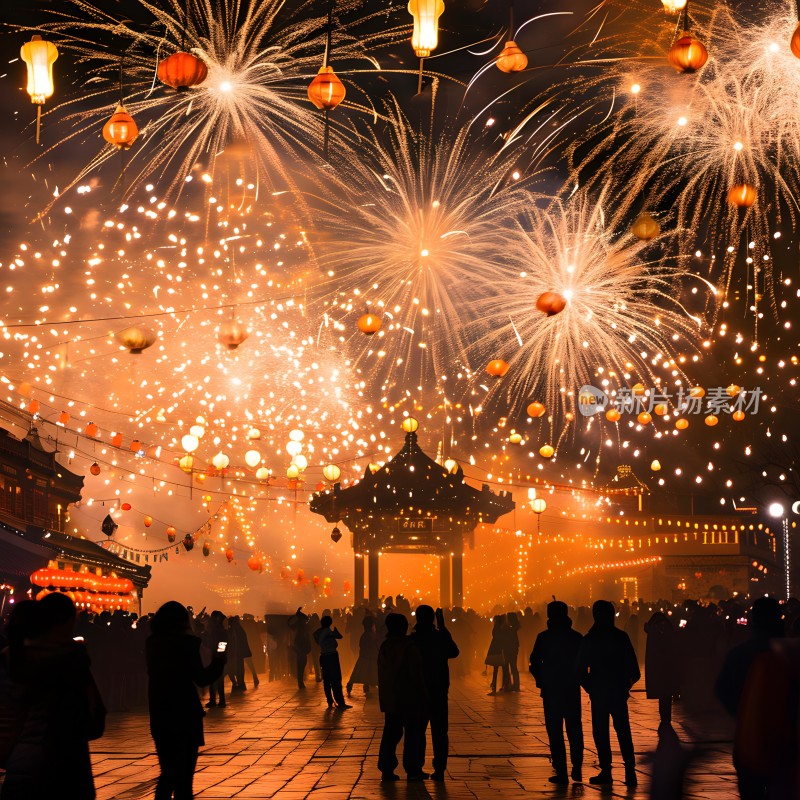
(373, 578)
(358, 579)
(458, 580)
(444, 581)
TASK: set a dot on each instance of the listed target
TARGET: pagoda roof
(625, 481)
(412, 484)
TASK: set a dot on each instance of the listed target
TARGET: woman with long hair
(495, 657)
(365, 671)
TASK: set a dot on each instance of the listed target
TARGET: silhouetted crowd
(745, 658)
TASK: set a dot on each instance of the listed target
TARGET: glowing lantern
(497, 368)
(546, 451)
(229, 555)
(409, 425)
(536, 409)
(206, 549)
(687, 54)
(95, 469)
(232, 334)
(136, 339)
(673, 6)
(126, 506)
(425, 37)
(182, 71)
(33, 407)
(190, 443)
(638, 389)
(186, 463)
(336, 534)
(369, 324)
(148, 521)
(254, 433)
(681, 424)
(711, 420)
(39, 57)
(655, 465)
(252, 458)
(551, 303)
(263, 473)
(120, 130)
(116, 440)
(326, 91)
(300, 461)
(171, 533)
(613, 415)
(795, 43)
(373, 467)
(644, 418)
(733, 390)
(511, 59)
(738, 416)
(645, 227)
(63, 418)
(293, 473)
(136, 445)
(294, 448)
(515, 438)
(451, 465)
(661, 409)
(697, 391)
(742, 195)
(91, 429)
(296, 435)
(255, 563)
(197, 430)
(331, 472)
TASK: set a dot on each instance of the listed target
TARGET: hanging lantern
(795, 43)
(738, 415)
(126, 506)
(425, 37)
(645, 228)
(120, 130)
(515, 438)
(369, 324)
(331, 472)
(293, 473)
(136, 339)
(336, 534)
(197, 430)
(742, 195)
(136, 445)
(733, 390)
(229, 555)
(188, 542)
(206, 549)
(220, 461)
(186, 463)
(190, 442)
(39, 57)
(661, 409)
(546, 451)
(409, 425)
(231, 334)
(536, 409)
(33, 407)
(254, 433)
(294, 448)
(296, 435)
(551, 303)
(263, 473)
(673, 6)
(252, 458)
(326, 91)
(681, 424)
(171, 534)
(451, 465)
(511, 59)
(300, 461)
(711, 420)
(254, 563)
(63, 418)
(655, 465)
(148, 521)
(91, 429)
(644, 418)
(687, 54)
(497, 368)
(182, 71)
(95, 469)
(697, 391)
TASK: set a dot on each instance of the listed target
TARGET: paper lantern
(795, 43)
(451, 465)
(546, 451)
(336, 534)
(655, 465)
(536, 409)
(171, 533)
(742, 195)
(197, 430)
(188, 542)
(39, 57)
(186, 463)
(182, 71)
(120, 131)
(34, 407)
(206, 549)
(190, 443)
(136, 445)
(697, 391)
(326, 91)
(296, 435)
(409, 425)
(126, 506)
(148, 521)
(515, 438)
(369, 324)
(497, 368)
(511, 58)
(551, 303)
(645, 227)
(673, 6)
(733, 390)
(681, 424)
(252, 458)
(63, 418)
(425, 36)
(738, 416)
(136, 339)
(638, 389)
(95, 469)
(91, 429)
(300, 461)
(229, 555)
(220, 461)
(262, 473)
(711, 420)
(294, 448)
(116, 440)
(231, 334)
(331, 472)
(293, 472)
(644, 418)
(254, 563)
(254, 433)
(687, 54)
(613, 415)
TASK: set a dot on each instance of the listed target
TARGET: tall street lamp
(777, 510)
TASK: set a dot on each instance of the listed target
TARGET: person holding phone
(174, 671)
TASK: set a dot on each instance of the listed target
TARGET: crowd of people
(745, 658)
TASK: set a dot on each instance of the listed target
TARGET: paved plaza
(277, 742)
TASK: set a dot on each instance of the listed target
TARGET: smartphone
(221, 647)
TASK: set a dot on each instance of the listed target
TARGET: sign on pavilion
(412, 504)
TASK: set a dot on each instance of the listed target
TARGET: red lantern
(229, 555)
(33, 407)
(255, 563)
(687, 54)
(551, 303)
(326, 91)
(120, 130)
(126, 506)
(369, 324)
(63, 418)
(136, 445)
(116, 440)
(497, 368)
(182, 71)
(95, 469)
(91, 429)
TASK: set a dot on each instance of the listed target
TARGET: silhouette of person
(403, 698)
(437, 647)
(661, 664)
(765, 624)
(61, 707)
(365, 670)
(511, 650)
(175, 670)
(554, 666)
(241, 648)
(607, 668)
(495, 655)
(214, 634)
(301, 644)
(326, 637)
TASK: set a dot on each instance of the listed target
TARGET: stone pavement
(277, 742)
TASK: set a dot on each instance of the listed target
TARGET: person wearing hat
(553, 664)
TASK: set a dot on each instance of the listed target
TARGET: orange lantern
(551, 303)
(326, 91)
(738, 416)
(681, 424)
(126, 506)
(546, 451)
(232, 334)
(229, 555)
(136, 339)
(742, 195)
(661, 409)
(644, 418)
(536, 409)
(711, 420)
(182, 71)
(116, 440)
(795, 43)
(687, 54)
(645, 227)
(497, 368)
(511, 59)
(91, 429)
(63, 418)
(120, 130)
(171, 534)
(148, 521)
(136, 445)
(613, 415)
(369, 324)
(33, 407)
(95, 469)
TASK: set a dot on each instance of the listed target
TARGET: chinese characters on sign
(717, 400)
